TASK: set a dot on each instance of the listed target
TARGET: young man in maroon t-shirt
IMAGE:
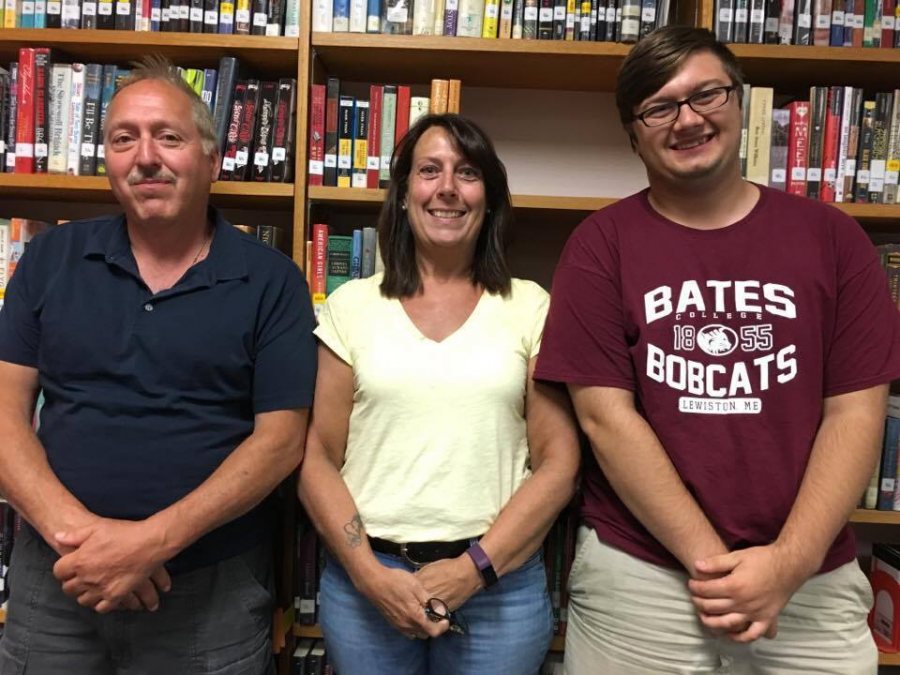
(728, 349)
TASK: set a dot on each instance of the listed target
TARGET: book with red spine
(798, 143)
(234, 126)
(373, 163)
(834, 109)
(318, 276)
(25, 112)
(888, 23)
(316, 169)
(402, 124)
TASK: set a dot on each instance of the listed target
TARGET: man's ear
(216, 165)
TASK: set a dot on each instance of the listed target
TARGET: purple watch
(483, 563)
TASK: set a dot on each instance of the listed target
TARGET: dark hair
(656, 58)
(395, 237)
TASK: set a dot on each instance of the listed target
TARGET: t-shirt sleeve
(584, 339)
(332, 329)
(20, 330)
(864, 350)
(284, 375)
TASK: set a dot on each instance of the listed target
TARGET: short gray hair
(159, 68)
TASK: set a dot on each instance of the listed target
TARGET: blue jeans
(509, 628)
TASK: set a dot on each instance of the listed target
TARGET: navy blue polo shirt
(146, 394)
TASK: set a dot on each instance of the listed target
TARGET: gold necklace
(203, 244)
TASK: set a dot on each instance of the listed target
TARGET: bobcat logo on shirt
(717, 340)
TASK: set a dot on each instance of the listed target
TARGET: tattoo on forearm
(354, 531)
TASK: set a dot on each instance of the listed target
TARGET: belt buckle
(404, 553)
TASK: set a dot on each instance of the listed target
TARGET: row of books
(10, 523)
(883, 491)
(352, 138)
(240, 17)
(823, 23)
(839, 146)
(52, 117)
(310, 658)
(594, 20)
(15, 233)
(334, 259)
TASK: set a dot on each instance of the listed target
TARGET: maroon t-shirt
(730, 339)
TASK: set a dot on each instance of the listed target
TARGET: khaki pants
(630, 617)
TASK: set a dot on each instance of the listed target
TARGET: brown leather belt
(421, 552)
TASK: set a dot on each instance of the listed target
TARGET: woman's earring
(403, 206)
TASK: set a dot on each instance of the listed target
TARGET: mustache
(138, 176)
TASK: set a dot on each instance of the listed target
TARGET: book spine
(440, 93)
(451, 16)
(25, 112)
(798, 142)
(373, 162)
(559, 19)
(332, 98)
(229, 153)
(108, 88)
(260, 17)
(247, 131)
(41, 103)
(54, 14)
(124, 15)
(759, 134)
(60, 89)
(345, 141)
(505, 27)
(852, 145)
(818, 106)
(322, 16)
(89, 14)
(226, 17)
(834, 108)
(276, 17)
(822, 22)
(210, 16)
(317, 287)
(242, 17)
(836, 33)
(225, 84)
(360, 144)
(373, 17)
(888, 23)
(880, 130)
(471, 13)
(208, 93)
(12, 116)
(90, 123)
(781, 122)
(195, 16)
(786, 22)
(892, 166)
(291, 18)
(491, 22)
(76, 115)
(106, 18)
(844, 139)
(864, 157)
(388, 118)
(285, 125)
(356, 255)
(340, 21)
(261, 170)
(741, 20)
(802, 22)
(316, 169)
(401, 122)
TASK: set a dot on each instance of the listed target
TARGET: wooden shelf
(793, 68)
(510, 64)
(266, 56)
(881, 216)
(582, 66)
(872, 516)
(307, 631)
(95, 189)
(885, 659)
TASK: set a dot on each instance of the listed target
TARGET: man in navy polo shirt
(177, 363)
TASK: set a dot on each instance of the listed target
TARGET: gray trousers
(215, 621)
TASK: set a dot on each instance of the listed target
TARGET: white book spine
(58, 118)
(76, 113)
(471, 13)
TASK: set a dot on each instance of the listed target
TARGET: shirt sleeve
(584, 339)
(284, 375)
(331, 329)
(864, 350)
(20, 329)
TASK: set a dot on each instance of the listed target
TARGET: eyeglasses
(701, 102)
(436, 610)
